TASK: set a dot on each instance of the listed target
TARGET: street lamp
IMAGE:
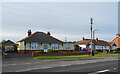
(93, 39)
(65, 39)
(94, 33)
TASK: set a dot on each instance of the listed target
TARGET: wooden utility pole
(91, 22)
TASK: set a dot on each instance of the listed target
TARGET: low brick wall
(58, 54)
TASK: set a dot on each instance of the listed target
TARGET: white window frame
(33, 46)
(68, 46)
(45, 46)
(55, 46)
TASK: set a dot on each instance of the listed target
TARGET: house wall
(82, 46)
(99, 47)
(118, 46)
(40, 46)
(60, 46)
(20, 46)
(68, 46)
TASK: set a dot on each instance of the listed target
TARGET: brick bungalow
(99, 45)
(115, 43)
(40, 41)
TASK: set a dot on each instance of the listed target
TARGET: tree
(3, 41)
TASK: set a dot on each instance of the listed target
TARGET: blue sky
(62, 19)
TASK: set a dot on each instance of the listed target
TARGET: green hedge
(118, 49)
(40, 52)
(52, 51)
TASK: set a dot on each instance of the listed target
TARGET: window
(68, 46)
(55, 46)
(99, 47)
(107, 47)
(45, 46)
(113, 47)
(33, 46)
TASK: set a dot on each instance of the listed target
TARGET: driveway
(18, 55)
(16, 58)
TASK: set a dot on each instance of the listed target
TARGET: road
(60, 65)
(98, 67)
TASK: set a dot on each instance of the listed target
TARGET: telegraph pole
(91, 22)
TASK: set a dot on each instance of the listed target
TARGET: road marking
(33, 69)
(9, 64)
(64, 65)
(80, 63)
(24, 70)
(16, 64)
(27, 63)
(103, 71)
(46, 67)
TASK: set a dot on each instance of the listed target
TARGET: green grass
(74, 56)
(115, 53)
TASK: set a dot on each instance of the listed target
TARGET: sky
(62, 19)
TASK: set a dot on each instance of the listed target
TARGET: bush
(118, 49)
(77, 51)
(52, 51)
(40, 52)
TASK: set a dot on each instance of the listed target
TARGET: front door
(45, 48)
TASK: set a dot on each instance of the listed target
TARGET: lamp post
(65, 39)
(94, 38)
(94, 33)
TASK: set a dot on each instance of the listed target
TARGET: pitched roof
(97, 42)
(116, 41)
(8, 42)
(85, 41)
(41, 38)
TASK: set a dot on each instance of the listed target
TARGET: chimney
(96, 39)
(48, 33)
(29, 32)
(117, 35)
(83, 38)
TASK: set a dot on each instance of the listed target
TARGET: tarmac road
(29, 64)
(98, 67)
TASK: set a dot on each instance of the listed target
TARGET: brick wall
(58, 54)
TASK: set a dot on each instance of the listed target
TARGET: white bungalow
(40, 41)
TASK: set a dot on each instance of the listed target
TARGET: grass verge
(74, 56)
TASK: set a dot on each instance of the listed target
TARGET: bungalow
(115, 43)
(40, 41)
(99, 45)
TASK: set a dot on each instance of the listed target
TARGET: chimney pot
(83, 38)
(48, 33)
(96, 39)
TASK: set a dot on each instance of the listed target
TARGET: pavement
(30, 64)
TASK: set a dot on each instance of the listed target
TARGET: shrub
(77, 51)
(118, 49)
(40, 52)
(52, 51)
